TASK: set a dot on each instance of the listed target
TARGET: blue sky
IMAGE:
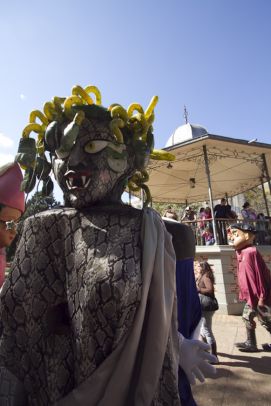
(211, 55)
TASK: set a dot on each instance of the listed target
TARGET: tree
(256, 199)
(162, 207)
(35, 204)
(39, 203)
(178, 208)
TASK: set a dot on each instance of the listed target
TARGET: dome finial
(185, 114)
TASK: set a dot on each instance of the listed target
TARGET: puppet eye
(117, 165)
(94, 146)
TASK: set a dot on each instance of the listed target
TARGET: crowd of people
(202, 224)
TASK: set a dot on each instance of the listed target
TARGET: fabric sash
(130, 375)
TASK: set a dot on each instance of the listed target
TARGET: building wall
(223, 259)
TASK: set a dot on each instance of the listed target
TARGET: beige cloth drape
(130, 375)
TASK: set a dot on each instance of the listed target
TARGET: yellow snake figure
(133, 121)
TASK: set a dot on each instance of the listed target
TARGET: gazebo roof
(235, 166)
(186, 132)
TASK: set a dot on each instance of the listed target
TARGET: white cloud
(5, 141)
(5, 158)
(22, 96)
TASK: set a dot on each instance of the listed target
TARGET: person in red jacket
(254, 279)
(11, 208)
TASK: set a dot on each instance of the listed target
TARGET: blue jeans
(206, 328)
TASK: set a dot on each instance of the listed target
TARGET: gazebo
(208, 167)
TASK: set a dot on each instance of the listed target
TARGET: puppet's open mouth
(77, 180)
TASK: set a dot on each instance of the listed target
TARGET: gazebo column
(266, 172)
(265, 198)
(207, 170)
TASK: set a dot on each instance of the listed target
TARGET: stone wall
(223, 260)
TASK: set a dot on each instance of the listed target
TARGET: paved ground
(242, 378)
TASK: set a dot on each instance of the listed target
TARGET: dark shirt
(189, 308)
(222, 212)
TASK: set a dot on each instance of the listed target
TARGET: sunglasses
(10, 225)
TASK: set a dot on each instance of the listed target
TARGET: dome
(186, 132)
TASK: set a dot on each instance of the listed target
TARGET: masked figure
(11, 208)
(254, 281)
(89, 312)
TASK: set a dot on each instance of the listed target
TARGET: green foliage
(39, 203)
(35, 204)
(256, 199)
(162, 207)
(178, 208)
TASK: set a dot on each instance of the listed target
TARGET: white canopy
(235, 166)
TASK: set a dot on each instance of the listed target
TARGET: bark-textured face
(96, 173)
(95, 168)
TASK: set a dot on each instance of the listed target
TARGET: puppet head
(11, 202)
(243, 235)
(95, 152)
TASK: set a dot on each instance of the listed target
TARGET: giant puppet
(89, 310)
(11, 208)
(254, 279)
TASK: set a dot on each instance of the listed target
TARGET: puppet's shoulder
(48, 215)
(251, 251)
(182, 237)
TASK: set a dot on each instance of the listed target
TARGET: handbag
(208, 303)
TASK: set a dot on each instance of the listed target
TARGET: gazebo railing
(263, 227)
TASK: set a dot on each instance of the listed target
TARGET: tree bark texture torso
(70, 299)
(72, 296)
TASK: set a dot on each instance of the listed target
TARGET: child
(208, 236)
(11, 208)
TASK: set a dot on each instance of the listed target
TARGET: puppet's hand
(195, 360)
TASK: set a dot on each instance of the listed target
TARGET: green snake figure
(88, 316)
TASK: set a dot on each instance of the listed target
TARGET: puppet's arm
(262, 275)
